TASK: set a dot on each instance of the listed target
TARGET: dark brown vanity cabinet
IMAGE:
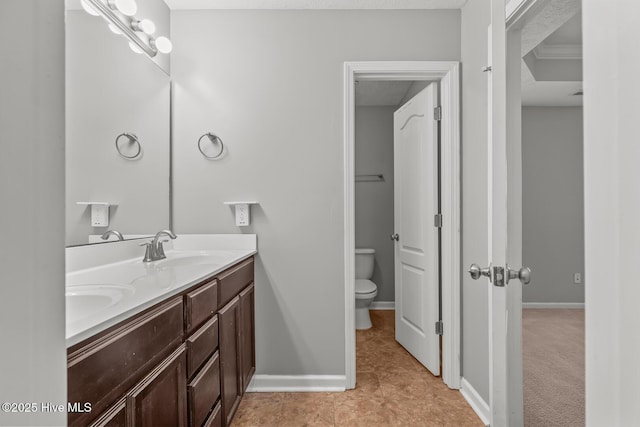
(237, 337)
(102, 369)
(183, 362)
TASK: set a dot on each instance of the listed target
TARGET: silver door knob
(524, 274)
(395, 237)
(476, 272)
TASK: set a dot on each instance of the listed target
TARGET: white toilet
(366, 290)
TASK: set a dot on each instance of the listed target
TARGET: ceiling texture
(552, 55)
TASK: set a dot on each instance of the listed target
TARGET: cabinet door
(248, 336)
(101, 370)
(160, 399)
(114, 417)
(230, 362)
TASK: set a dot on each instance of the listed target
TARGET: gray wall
(374, 200)
(552, 190)
(33, 367)
(270, 83)
(110, 91)
(475, 318)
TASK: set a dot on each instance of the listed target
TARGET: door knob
(475, 271)
(395, 237)
(524, 274)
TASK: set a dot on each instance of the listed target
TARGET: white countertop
(109, 283)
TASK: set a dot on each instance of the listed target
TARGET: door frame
(448, 74)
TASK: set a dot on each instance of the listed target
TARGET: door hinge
(437, 113)
(437, 220)
(439, 327)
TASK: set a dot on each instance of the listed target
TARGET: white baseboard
(552, 305)
(287, 383)
(476, 402)
(383, 305)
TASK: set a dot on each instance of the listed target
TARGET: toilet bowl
(366, 290)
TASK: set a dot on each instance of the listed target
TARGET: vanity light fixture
(88, 8)
(146, 26)
(120, 14)
(135, 48)
(115, 30)
(126, 7)
(162, 44)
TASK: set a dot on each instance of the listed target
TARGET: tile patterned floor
(392, 389)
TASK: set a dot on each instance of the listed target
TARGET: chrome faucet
(108, 233)
(155, 251)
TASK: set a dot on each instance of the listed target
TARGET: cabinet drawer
(232, 281)
(201, 345)
(200, 305)
(103, 370)
(203, 391)
(215, 418)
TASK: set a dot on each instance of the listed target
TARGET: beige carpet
(553, 363)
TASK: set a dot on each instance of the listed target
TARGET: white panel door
(504, 229)
(415, 203)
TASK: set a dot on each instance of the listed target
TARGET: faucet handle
(147, 252)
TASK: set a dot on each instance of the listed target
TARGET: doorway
(512, 61)
(553, 345)
(447, 74)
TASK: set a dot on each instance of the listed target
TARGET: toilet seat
(365, 288)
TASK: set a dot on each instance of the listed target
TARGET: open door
(504, 274)
(417, 293)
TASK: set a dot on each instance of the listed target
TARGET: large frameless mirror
(117, 132)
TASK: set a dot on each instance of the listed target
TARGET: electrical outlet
(99, 215)
(242, 215)
(577, 278)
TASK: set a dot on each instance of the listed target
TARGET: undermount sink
(86, 300)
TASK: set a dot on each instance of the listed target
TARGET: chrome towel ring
(215, 139)
(131, 139)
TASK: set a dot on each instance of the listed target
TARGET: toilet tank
(364, 263)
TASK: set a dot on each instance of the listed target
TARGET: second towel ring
(215, 139)
(132, 140)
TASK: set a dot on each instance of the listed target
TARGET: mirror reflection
(117, 135)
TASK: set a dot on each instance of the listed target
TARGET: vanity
(166, 342)
(175, 346)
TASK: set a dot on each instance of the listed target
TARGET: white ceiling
(568, 34)
(381, 94)
(315, 4)
(552, 45)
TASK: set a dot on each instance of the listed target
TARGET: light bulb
(89, 8)
(134, 47)
(163, 44)
(126, 7)
(114, 29)
(146, 26)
